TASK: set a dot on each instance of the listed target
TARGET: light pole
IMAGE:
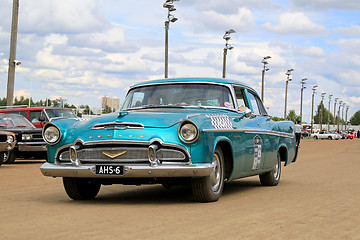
(301, 100)
(170, 18)
(334, 111)
(342, 116)
(338, 121)
(289, 78)
(329, 112)
(264, 61)
(312, 107)
(347, 109)
(321, 109)
(12, 57)
(227, 47)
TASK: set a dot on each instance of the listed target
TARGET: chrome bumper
(32, 146)
(5, 146)
(143, 171)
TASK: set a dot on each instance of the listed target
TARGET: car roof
(16, 109)
(192, 80)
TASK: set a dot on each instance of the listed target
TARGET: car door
(264, 143)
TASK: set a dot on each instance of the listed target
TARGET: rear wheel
(209, 188)
(81, 188)
(272, 178)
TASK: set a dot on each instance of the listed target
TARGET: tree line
(85, 109)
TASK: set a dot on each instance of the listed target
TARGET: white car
(326, 135)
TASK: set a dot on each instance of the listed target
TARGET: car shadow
(158, 195)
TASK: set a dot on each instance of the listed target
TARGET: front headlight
(188, 132)
(51, 134)
(10, 139)
(26, 137)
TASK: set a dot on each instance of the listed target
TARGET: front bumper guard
(139, 171)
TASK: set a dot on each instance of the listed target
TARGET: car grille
(37, 136)
(3, 138)
(124, 155)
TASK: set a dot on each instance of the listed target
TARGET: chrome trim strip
(198, 170)
(125, 125)
(125, 142)
(253, 131)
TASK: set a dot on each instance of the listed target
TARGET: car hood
(153, 118)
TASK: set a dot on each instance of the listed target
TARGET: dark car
(29, 139)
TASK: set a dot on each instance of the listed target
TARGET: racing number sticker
(257, 153)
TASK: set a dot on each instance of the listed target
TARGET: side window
(20, 113)
(254, 103)
(34, 116)
(239, 92)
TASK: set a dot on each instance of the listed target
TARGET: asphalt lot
(317, 198)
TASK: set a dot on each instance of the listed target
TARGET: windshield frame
(224, 89)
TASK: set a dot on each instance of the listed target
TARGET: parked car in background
(351, 135)
(326, 135)
(199, 131)
(343, 134)
(7, 143)
(29, 141)
(38, 116)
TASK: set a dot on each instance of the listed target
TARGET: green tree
(277, 118)
(325, 114)
(355, 119)
(292, 116)
(107, 109)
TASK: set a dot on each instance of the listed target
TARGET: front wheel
(10, 157)
(272, 178)
(81, 188)
(2, 156)
(209, 188)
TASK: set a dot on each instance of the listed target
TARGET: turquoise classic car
(198, 131)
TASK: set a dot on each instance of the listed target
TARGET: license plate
(109, 170)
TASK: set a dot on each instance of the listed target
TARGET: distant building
(113, 103)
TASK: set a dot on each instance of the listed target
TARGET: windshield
(60, 113)
(12, 121)
(179, 95)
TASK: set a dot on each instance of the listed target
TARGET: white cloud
(242, 21)
(61, 16)
(313, 52)
(327, 4)
(353, 30)
(295, 22)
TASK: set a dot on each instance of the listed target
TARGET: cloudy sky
(85, 49)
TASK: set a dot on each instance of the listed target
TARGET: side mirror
(41, 118)
(247, 112)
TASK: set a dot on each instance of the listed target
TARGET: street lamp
(342, 117)
(264, 61)
(321, 109)
(334, 111)
(329, 112)
(227, 47)
(347, 109)
(170, 18)
(289, 78)
(338, 120)
(312, 107)
(301, 100)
